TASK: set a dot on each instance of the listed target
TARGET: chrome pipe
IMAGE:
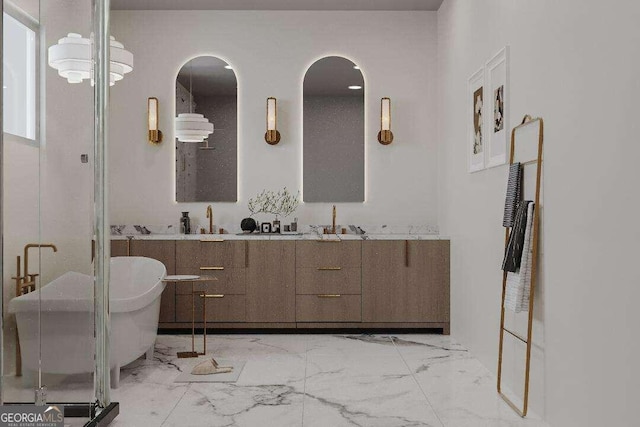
(100, 17)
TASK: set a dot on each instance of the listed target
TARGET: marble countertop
(307, 232)
(306, 236)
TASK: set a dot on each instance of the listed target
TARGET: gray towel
(515, 246)
(513, 194)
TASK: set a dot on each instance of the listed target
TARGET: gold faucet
(333, 222)
(24, 285)
(26, 255)
(210, 216)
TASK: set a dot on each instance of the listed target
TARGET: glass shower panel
(21, 199)
(48, 299)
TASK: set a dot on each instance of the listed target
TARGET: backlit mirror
(207, 171)
(333, 158)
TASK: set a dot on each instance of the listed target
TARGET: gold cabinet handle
(329, 296)
(211, 240)
(212, 268)
(328, 240)
(211, 296)
(329, 268)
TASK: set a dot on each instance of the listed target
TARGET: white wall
(575, 64)
(270, 52)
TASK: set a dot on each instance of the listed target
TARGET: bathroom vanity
(299, 282)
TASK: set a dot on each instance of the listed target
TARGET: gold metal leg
(204, 321)
(193, 352)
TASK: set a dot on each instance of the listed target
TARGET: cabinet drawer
(320, 308)
(328, 280)
(328, 254)
(230, 308)
(211, 253)
(230, 281)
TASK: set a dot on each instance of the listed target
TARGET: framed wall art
(497, 100)
(476, 121)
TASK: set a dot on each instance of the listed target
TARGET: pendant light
(71, 56)
(192, 127)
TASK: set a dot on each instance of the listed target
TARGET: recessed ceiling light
(355, 87)
(355, 67)
(228, 67)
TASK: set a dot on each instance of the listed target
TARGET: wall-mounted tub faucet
(24, 285)
(26, 254)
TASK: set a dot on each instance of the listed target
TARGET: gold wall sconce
(273, 135)
(385, 136)
(155, 135)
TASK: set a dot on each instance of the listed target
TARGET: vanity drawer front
(230, 281)
(230, 308)
(326, 308)
(196, 254)
(328, 280)
(328, 254)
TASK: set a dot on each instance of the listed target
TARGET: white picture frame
(497, 110)
(476, 125)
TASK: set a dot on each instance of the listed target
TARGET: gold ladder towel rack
(527, 121)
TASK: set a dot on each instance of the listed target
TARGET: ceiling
(276, 4)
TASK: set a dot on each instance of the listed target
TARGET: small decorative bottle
(185, 223)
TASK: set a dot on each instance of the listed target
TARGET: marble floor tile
(463, 392)
(220, 404)
(274, 370)
(366, 380)
(354, 364)
(257, 346)
(343, 345)
(384, 401)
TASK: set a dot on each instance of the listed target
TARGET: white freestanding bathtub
(66, 330)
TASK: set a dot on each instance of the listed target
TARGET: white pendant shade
(121, 61)
(192, 127)
(72, 58)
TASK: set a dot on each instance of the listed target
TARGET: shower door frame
(102, 411)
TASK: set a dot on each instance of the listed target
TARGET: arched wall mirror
(333, 151)
(207, 171)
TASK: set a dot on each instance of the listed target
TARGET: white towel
(519, 283)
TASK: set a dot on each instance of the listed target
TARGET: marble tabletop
(308, 232)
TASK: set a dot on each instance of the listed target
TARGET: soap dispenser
(185, 223)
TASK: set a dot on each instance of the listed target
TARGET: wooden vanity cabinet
(225, 260)
(328, 281)
(165, 252)
(405, 281)
(118, 248)
(303, 283)
(271, 281)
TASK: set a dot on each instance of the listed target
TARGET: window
(20, 78)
